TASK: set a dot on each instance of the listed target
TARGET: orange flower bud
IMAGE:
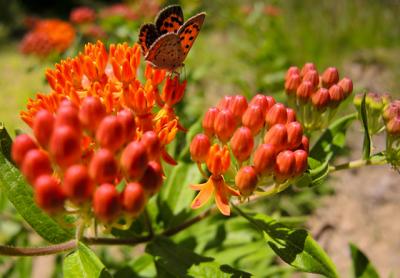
(285, 165)
(91, 112)
(295, 134)
(67, 114)
(305, 90)
(336, 94)
(103, 167)
(218, 160)
(347, 85)
(291, 71)
(65, 146)
(152, 144)
(276, 115)
(300, 162)
(224, 125)
(291, 115)
(43, 124)
(330, 77)
(173, 91)
(77, 185)
(127, 120)
(225, 102)
(321, 98)
(305, 145)
(265, 102)
(22, 144)
(312, 76)
(49, 194)
(106, 202)
(133, 198)
(277, 135)
(246, 180)
(134, 160)
(199, 148)
(292, 83)
(264, 158)
(152, 178)
(242, 143)
(208, 121)
(110, 133)
(237, 106)
(306, 68)
(253, 118)
(391, 111)
(35, 164)
(393, 126)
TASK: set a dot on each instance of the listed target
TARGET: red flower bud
(208, 121)
(276, 115)
(285, 165)
(237, 106)
(127, 120)
(393, 126)
(306, 68)
(65, 146)
(77, 185)
(242, 143)
(152, 144)
(300, 162)
(134, 160)
(35, 164)
(49, 194)
(106, 202)
(246, 180)
(277, 135)
(321, 98)
(199, 148)
(264, 158)
(91, 113)
(313, 77)
(291, 71)
(152, 178)
(43, 124)
(305, 90)
(22, 144)
(103, 167)
(391, 111)
(67, 114)
(295, 134)
(110, 133)
(224, 125)
(261, 101)
(253, 118)
(218, 160)
(347, 85)
(134, 198)
(225, 102)
(305, 145)
(291, 115)
(330, 77)
(336, 94)
(292, 83)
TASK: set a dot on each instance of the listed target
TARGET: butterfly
(166, 43)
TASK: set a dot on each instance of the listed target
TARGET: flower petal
(204, 195)
(222, 197)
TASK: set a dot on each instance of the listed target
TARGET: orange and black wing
(169, 20)
(189, 31)
(148, 34)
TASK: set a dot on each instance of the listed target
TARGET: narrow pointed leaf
(362, 267)
(367, 135)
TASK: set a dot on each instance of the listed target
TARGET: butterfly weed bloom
(247, 147)
(48, 36)
(316, 97)
(99, 136)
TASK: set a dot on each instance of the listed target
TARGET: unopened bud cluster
(257, 143)
(314, 96)
(391, 117)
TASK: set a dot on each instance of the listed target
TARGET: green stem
(356, 164)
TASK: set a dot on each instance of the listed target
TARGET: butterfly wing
(166, 52)
(169, 19)
(188, 32)
(148, 34)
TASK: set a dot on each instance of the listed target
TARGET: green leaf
(212, 269)
(367, 135)
(5, 142)
(14, 186)
(362, 267)
(83, 263)
(295, 246)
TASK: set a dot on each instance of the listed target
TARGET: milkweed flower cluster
(391, 117)
(316, 97)
(48, 36)
(100, 135)
(246, 146)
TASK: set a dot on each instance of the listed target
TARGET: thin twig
(37, 251)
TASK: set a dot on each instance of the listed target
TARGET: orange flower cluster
(232, 131)
(48, 36)
(82, 14)
(98, 128)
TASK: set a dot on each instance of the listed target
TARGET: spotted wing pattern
(188, 32)
(148, 34)
(170, 19)
(166, 53)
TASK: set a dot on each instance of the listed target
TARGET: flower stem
(37, 251)
(356, 164)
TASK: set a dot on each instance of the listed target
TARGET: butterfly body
(166, 43)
